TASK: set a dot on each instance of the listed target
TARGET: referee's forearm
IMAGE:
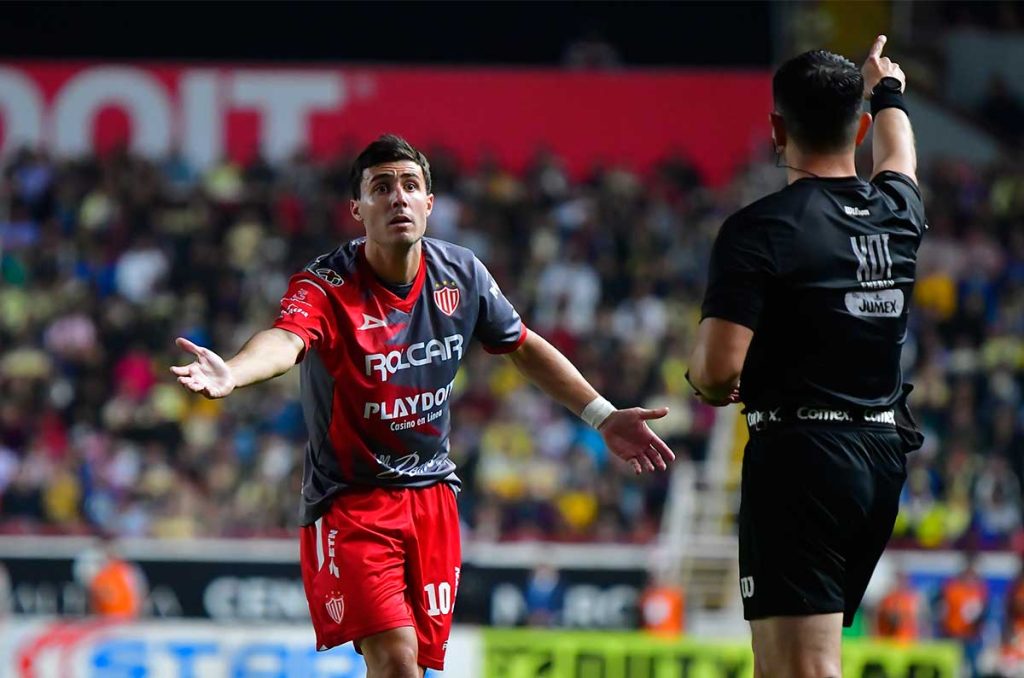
(714, 380)
(714, 388)
(893, 143)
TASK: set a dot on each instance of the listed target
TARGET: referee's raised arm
(893, 141)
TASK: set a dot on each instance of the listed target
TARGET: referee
(804, 320)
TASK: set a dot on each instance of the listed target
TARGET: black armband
(887, 94)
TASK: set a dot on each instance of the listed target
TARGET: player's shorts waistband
(760, 420)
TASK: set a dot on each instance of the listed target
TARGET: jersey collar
(383, 293)
(836, 181)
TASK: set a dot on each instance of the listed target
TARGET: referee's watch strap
(887, 94)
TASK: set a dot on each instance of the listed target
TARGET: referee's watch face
(393, 204)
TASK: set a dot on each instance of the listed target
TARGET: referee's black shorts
(818, 505)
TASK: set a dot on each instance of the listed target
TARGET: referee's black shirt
(823, 272)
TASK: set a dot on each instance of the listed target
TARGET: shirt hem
(297, 330)
(355, 635)
(507, 348)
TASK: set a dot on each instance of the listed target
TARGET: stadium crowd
(103, 261)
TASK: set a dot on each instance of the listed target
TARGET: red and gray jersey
(378, 370)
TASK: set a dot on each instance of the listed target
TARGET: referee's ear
(778, 131)
(863, 126)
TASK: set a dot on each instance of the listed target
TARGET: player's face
(393, 203)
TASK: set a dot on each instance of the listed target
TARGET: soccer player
(806, 313)
(380, 326)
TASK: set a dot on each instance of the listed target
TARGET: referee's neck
(820, 165)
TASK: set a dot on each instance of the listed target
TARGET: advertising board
(208, 112)
(545, 654)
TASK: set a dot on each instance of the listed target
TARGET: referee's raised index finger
(876, 48)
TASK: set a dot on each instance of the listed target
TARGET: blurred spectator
(591, 51)
(663, 608)
(116, 587)
(179, 176)
(962, 612)
(1014, 627)
(997, 496)
(568, 292)
(139, 269)
(544, 597)
(901, 612)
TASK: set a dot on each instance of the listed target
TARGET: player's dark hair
(819, 96)
(386, 148)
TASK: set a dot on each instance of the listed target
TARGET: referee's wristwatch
(888, 84)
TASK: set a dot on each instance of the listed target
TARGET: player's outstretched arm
(893, 140)
(625, 432)
(266, 355)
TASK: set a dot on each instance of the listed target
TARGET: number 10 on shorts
(439, 598)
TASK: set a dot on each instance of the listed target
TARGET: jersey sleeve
(306, 312)
(904, 195)
(498, 326)
(741, 269)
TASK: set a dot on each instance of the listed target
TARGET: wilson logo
(747, 587)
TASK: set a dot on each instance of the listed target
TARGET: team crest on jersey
(336, 606)
(446, 296)
(329, 276)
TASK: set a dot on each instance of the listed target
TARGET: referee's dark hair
(819, 96)
(386, 148)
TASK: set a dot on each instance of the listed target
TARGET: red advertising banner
(626, 118)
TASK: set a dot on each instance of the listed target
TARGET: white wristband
(596, 411)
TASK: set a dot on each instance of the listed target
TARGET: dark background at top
(730, 34)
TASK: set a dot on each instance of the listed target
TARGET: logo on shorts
(331, 567)
(446, 297)
(747, 587)
(336, 606)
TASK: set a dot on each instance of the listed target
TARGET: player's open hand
(628, 436)
(877, 67)
(208, 374)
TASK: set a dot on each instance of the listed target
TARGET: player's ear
(353, 208)
(863, 126)
(430, 203)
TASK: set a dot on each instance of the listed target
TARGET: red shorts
(380, 559)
